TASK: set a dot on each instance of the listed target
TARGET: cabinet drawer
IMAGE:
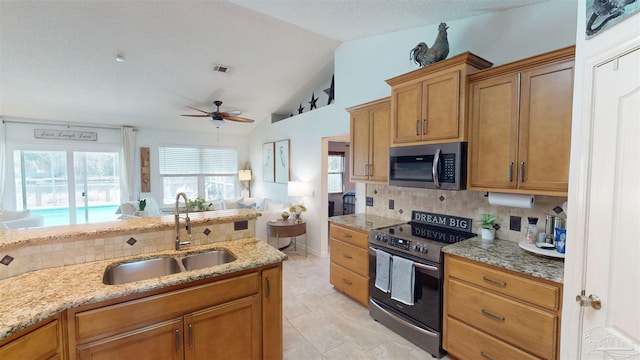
(524, 326)
(533, 292)
(41, 343)
(465, 342)
(353, 237)
(350, 257)
(350, 283)
(109, 320)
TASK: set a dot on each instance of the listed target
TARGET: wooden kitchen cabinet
(370, 141)
(40, 341)
(227, 318)
(520, 125)
(349, 267)
(496, 313)
(428, 105)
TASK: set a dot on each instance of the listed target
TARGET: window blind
(198, 161)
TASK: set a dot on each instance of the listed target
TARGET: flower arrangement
(297, 208)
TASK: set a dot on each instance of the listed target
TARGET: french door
(66, 186)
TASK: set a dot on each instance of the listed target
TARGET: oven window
(411, 168)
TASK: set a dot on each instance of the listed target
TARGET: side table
(287, 228)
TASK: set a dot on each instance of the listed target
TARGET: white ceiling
(57, 58)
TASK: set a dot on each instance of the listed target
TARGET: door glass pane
(42, 184)
(97, 186)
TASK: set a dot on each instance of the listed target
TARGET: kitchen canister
(561, 240)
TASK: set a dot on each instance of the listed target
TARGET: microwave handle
(434, 169)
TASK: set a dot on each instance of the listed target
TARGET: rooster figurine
(424, 55)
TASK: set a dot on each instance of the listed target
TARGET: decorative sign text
(65, 135)
(448, 221)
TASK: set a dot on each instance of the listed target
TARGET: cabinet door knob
(511, 171)
(268, 288)
(417, 125)
(522, 171)
(190, 335)
(177, 340)
(424, 127)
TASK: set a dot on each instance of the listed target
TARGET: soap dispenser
(532, 230)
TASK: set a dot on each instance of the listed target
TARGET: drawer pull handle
(347, 256)
(177, 340)
(485, 355)
(493, 316)
(347, 282)
(346, 235)
(494, 282)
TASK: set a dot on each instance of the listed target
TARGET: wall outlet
(515, 223)
(369, 201)
(240, 225)
(391, 204)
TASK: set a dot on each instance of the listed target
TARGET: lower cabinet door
(159, 341)
(42, 343)
(465, 342)
(229, 331)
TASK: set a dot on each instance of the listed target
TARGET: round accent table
(287, 228)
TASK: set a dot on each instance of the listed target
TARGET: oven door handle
(418, 265)
(401, 321)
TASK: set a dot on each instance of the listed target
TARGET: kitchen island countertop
(364, 222)
(508, 255)
(34, 296)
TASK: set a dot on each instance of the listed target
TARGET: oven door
(426, 309)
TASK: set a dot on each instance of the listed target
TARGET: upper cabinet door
(407, 110)
(545, 127)
(441, 107)
(379, 142)
(494, 132)
(359, 145)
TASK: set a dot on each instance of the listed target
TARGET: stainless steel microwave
(434, 166)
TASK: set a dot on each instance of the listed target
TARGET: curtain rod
(68, 125)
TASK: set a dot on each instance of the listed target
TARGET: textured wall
(468, 204)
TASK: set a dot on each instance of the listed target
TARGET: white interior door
(612, 251)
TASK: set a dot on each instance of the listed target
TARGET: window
(67, 187)
(336, 171)
(206, 172)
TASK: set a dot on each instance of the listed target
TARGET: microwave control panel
(448, 171)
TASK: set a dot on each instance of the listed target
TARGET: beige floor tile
(322, 323)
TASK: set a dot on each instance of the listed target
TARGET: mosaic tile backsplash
(468, 204)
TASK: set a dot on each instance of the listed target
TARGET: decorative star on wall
(329, 91)
(300, 109)
(313, 102)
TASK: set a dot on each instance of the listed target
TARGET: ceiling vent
(221, 68)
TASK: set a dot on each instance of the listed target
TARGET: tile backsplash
(468, 204)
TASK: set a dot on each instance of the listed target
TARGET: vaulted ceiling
(58, 58)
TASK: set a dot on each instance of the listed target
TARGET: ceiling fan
(218, 117)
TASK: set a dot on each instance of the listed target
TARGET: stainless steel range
(415, 314)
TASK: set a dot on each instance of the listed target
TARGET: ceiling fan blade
(196, 115)
(206, 112)
(239, 119)
(231, 113)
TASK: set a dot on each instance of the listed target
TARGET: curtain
(3, 163)
(128, 162)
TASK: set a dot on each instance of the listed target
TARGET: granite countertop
(14, 237)
(365, 222)
(34, 296)
(508, 255)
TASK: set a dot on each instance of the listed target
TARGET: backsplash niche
(398, 202)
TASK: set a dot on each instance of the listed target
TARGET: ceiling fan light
(216, 123)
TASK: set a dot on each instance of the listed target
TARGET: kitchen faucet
(187, 221)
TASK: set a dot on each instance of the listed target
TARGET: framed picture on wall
(282, 161)
(603, 14)
(268, 161)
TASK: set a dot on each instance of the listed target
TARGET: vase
(298, 216)
(285, 215)
(488, 234)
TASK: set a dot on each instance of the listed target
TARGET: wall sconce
(244, 176)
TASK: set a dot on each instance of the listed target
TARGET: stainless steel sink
(150, 268)
(140, 270)
(206, 259)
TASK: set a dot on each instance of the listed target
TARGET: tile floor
(321, 323)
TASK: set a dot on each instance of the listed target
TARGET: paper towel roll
(512, 200)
